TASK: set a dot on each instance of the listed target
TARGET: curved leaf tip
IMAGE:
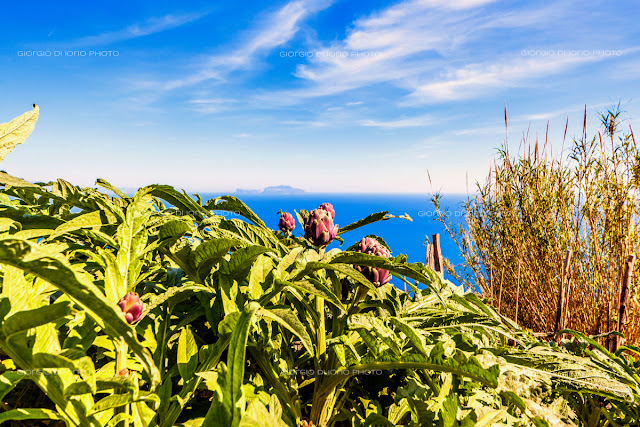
(17, 131)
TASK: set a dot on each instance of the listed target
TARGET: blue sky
(328, 96)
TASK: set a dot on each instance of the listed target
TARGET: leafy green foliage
(244, 326)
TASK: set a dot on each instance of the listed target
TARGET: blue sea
(403, 236)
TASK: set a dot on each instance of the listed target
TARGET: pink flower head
(131, 306)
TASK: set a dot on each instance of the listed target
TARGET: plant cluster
(534, 207)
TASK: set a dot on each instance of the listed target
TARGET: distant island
(278, 189)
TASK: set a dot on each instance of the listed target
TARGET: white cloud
(212, 101)
(400, 123)
(472, 80)
(276, 29)
(150, 26)
(561, 112)
(406, 45)
(310, 123)
(487, 130)
(213, 105)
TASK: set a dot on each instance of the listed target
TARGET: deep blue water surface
(404, 237)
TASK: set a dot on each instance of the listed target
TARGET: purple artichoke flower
(377, 276)
(329, 208)
(131, 306)
(286, 223)
(319, 228)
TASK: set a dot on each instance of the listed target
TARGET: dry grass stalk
(534, 208)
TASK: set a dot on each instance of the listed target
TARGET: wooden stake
(563, 293)
(429, 255)
(518, 293)
(623, 315)
(490, 281)
(438, 264)
(500, 293)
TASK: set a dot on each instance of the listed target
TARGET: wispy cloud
(276, 29)
(486, 130)
(475, 79)
(302, 123)
(213, 105)
(406, 45)
(150, 26)
(432, 51)
(420, 121)
(566, 111)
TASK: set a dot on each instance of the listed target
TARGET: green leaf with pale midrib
(61, 275)
(28, 319)
(88, 220)
(187, 358)
(242, 259)
(375, 217)
(29, 414)
(8, 381)
(287, 319)
(228, 410)
(233, 204)
(17, 131)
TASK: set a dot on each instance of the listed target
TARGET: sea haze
(403, 236)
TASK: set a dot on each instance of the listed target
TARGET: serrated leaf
(181, 201)
(228, 412)
(211, 252)
(259, 272)
(88, 220)
(491, 417)
(17, 131)
(345, 269)
(376, 326)
(173, 229)
(8, 381)
(412, 334)
(287, 319)
(104, 184)
(29, 414)
(375, 217)
(242, 259)
(317, 290)
(28, 319)
(187, 354)
(233, 204)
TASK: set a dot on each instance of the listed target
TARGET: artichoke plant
(329, 208)
(286, 223)
(319, 228)
(377, 276)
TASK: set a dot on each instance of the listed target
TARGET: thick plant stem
(323, 405)
(360, 295)
(321, 349)
(291, 405)
(121, 356)
(189, 388)
(122, 350)
(322, 343)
